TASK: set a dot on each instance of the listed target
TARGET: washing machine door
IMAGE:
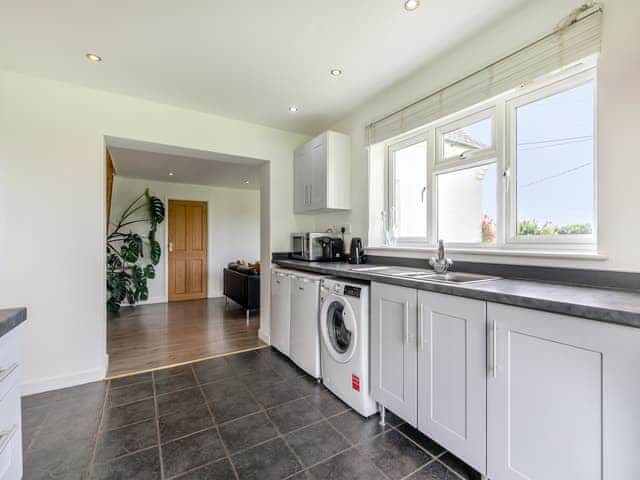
(339, 328)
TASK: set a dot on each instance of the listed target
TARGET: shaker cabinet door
(393, 349)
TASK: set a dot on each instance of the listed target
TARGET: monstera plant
(127, 267)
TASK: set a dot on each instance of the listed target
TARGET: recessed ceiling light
(171, 174)
(93, 57)
(246, 182)
(336, 72)
(293, 109)
(411, 5)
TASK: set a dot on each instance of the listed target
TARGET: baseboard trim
(62, 381)
(151, 301)
(265, 337)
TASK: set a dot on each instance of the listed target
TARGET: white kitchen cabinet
(393, 350)
(452, 375)
(322, 174)
(281, 310)
(562, 397)
(10, 412)
(305, 308)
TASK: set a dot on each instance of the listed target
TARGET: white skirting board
(62, 381)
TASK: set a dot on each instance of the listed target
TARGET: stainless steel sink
(369, 269)
(455, 277)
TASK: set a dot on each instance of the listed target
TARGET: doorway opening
(195, 304)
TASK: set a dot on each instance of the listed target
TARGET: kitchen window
(552, 163)
(516, 172)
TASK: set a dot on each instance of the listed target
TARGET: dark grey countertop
(605, 305)
(10, 318)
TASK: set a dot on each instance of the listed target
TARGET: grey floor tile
(213, 370)
(39, 399)
(184, 454)
(62, 460)
(172, 383)
(126, 440)
(126, 414)
(460, 467)
(164, 373)
(392, 419)
(268, 461)
(316, 442)
(349, 465)
(357, 428)
(130, 380)
(306, 384)
(277, 394)
(34, 417)
(220, 470)
(247, 431)
(327, 402)
(181, 400)
(89, 392)
(80, 429)
(184, 422)
(247, 362)
(234, 407)
(224, 389)
(294, 415)
(258, 380)
(434, 471)
(144, 465)
(396, 456)
(129, 394)
(421, 439)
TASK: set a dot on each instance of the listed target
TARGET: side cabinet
(562, 397)
(393, 349)
(452, 377)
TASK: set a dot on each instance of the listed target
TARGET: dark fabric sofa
(242, 285)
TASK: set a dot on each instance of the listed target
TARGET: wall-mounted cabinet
(322, 174)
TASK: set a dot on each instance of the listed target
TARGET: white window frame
(577, 242)
(390, 197)
(503, 152)
(461, 122)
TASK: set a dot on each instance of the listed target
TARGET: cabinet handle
(495, 349)
(5, 372)
(421, 333)
(406, 323)
(5, 438)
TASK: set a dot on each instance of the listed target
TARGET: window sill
(558, 254)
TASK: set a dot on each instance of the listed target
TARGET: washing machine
(344, 342)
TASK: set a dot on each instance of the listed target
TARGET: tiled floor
(253, 415)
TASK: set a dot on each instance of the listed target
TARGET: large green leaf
(156, 251)
(149, 271)
(156, 209)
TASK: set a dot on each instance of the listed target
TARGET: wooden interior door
(187, 250)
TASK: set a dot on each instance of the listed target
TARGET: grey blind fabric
(561, 48)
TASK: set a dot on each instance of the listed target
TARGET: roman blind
(576, 39)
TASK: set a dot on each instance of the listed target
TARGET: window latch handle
(424, 190)
(506, 176)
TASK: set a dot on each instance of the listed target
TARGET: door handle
(170, 247)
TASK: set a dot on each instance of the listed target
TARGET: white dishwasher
(305, 311)
(281, 309)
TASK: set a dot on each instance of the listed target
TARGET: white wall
(618, 123)
(233, 225)
(53, 205)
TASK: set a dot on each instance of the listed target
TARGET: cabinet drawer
(10, 434)
(9, 345)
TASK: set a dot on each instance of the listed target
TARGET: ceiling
(243, 59)
(191, 167)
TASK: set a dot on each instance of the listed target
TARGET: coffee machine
(356, 251)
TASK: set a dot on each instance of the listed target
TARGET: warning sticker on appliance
(355, 382)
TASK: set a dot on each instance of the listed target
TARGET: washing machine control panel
(352, 291)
